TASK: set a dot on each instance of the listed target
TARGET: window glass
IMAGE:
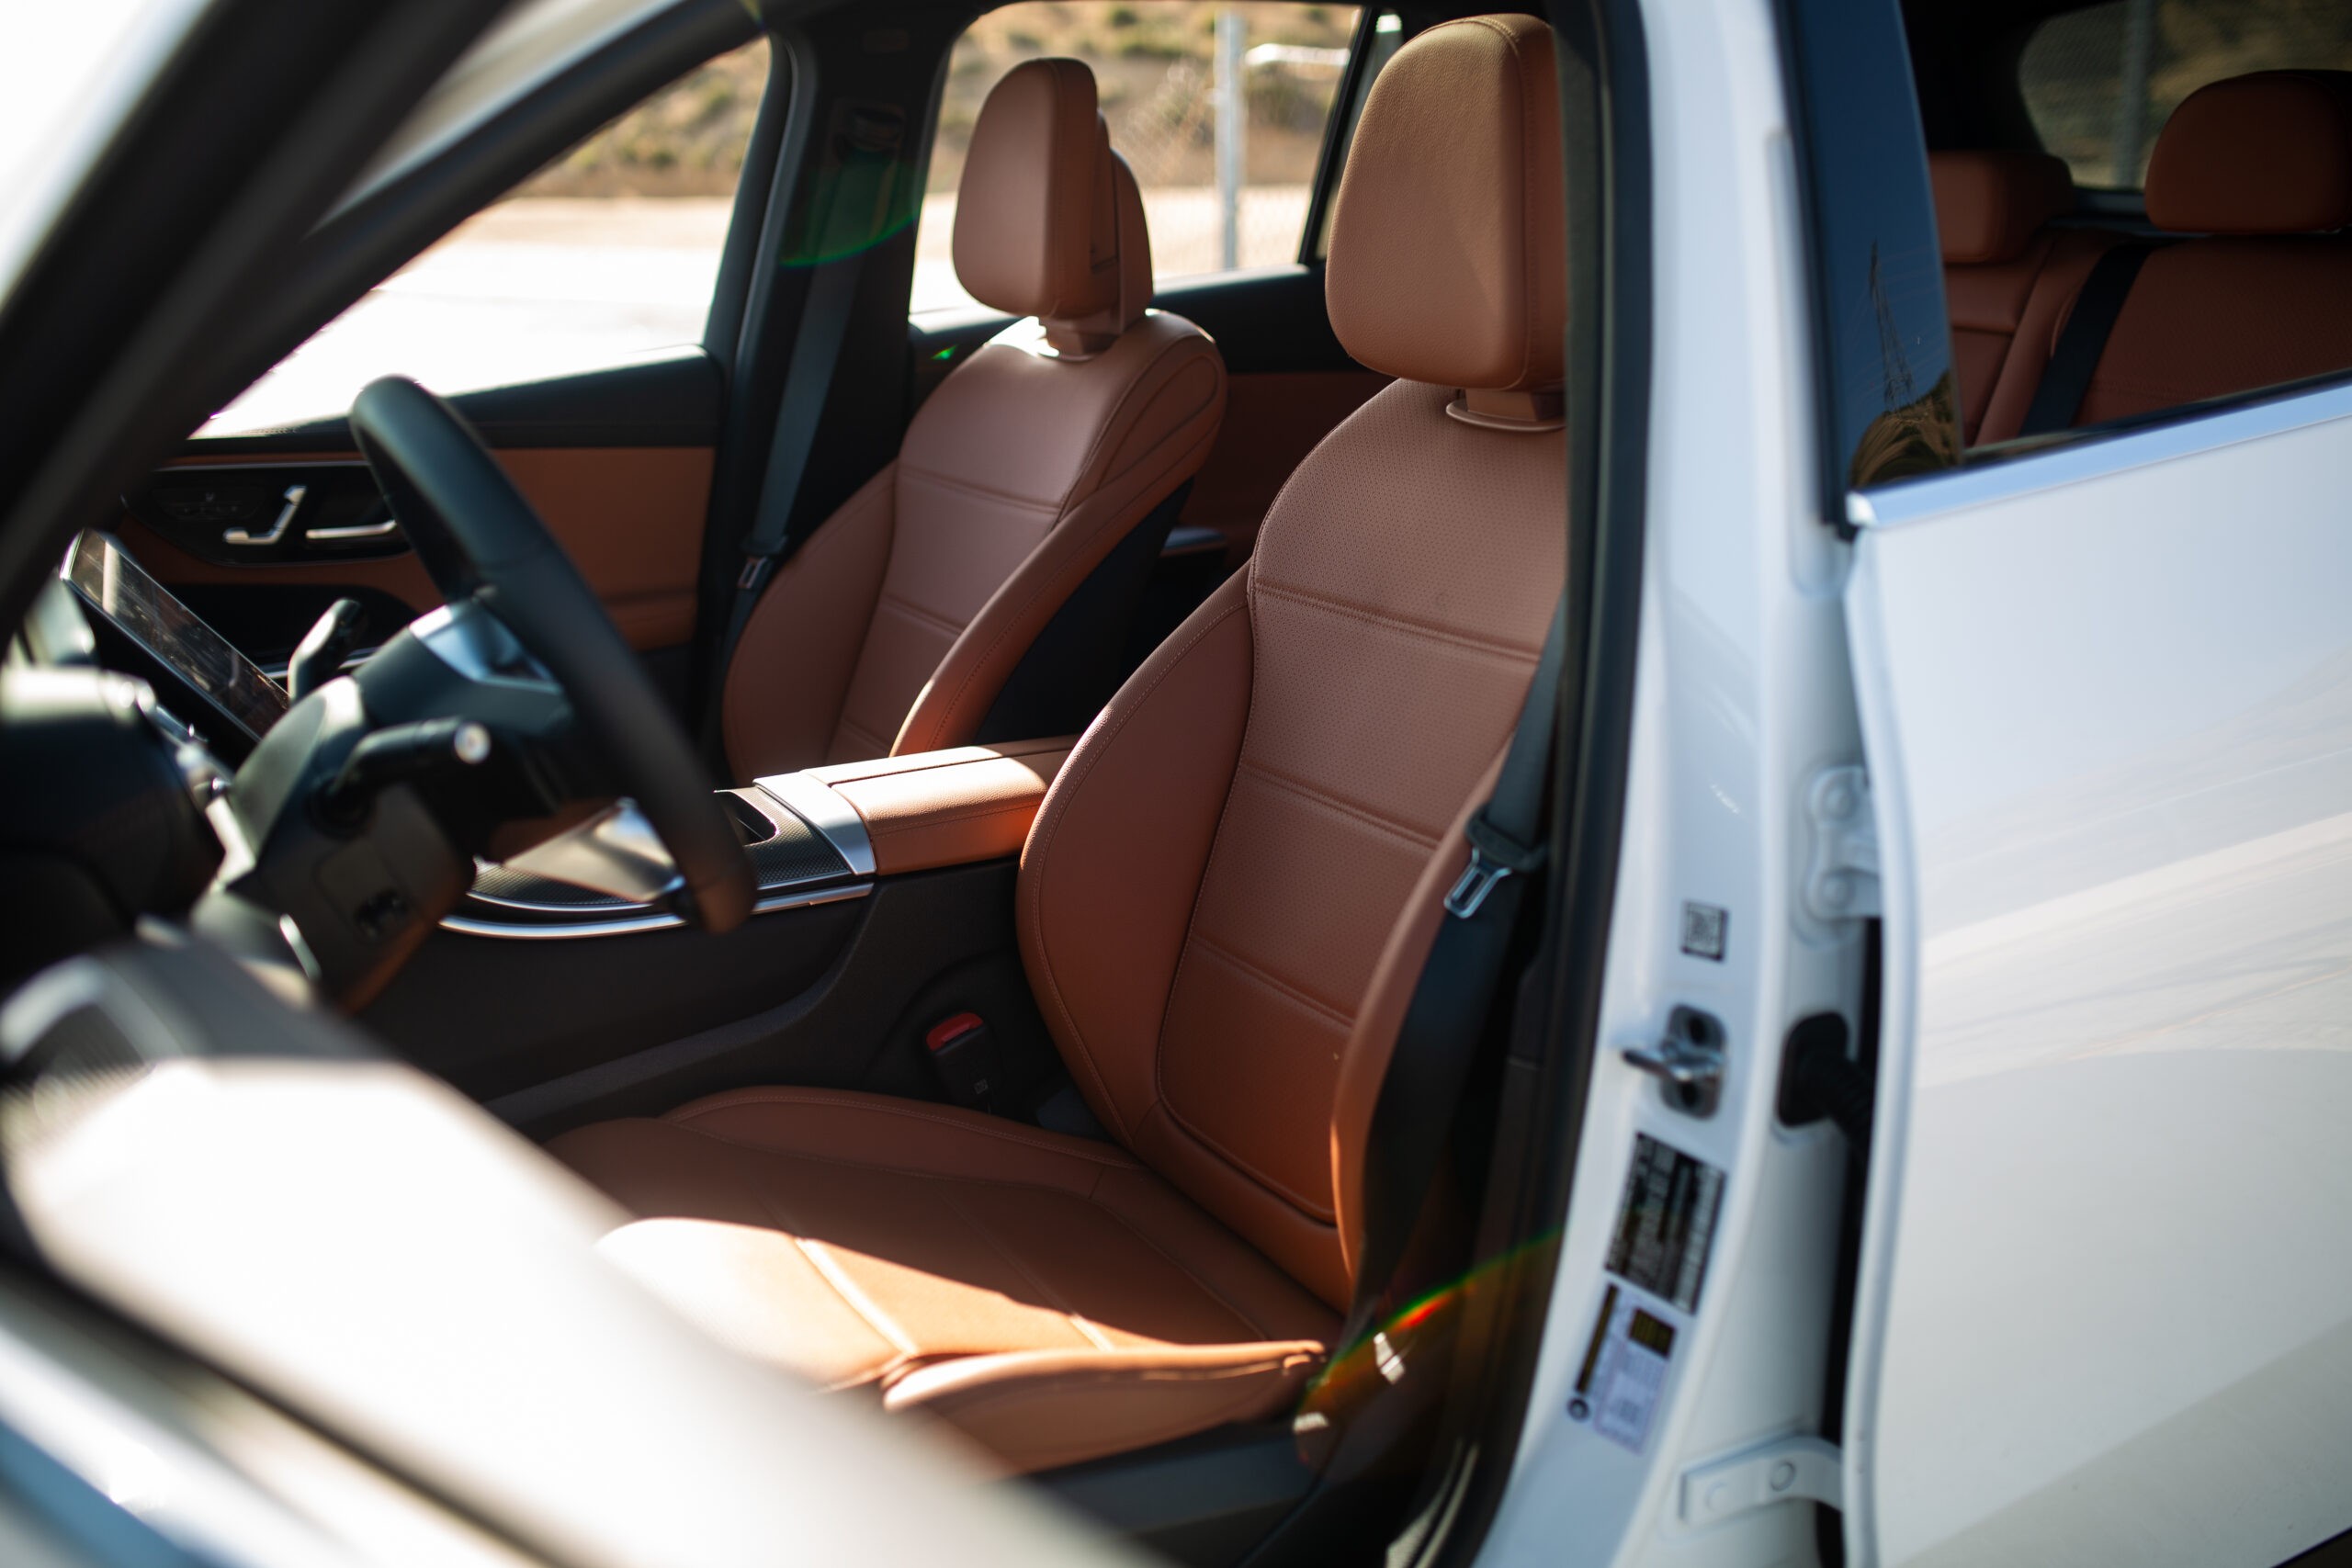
(1223, 188)
(2100, 81)
(609, 252)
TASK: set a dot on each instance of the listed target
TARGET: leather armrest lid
(951, 808)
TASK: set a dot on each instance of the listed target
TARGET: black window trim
(1849, 74)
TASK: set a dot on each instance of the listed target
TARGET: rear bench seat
(1992, 212)
(2258, 168)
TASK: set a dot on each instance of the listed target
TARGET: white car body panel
(2106, 1308)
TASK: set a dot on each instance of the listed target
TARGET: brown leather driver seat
(895, 626)
(1226, 898)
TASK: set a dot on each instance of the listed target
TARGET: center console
(885, 906)
(816, 837)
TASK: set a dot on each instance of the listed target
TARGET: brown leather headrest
(1048, 222)
(2267, 153)
(1989, 205)
(1449, 250)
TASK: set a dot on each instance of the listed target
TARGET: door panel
(631, 518)
(2107, 1302)
(617, 463)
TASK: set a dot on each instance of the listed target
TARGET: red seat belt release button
(963, 1052)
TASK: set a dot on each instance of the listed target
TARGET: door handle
(354, 531)
(294, 495)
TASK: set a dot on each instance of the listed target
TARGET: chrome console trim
(826, 811)
(651, 920)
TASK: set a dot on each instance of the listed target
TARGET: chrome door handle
(294, 495)
(356, 531)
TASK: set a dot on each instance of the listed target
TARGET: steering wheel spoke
(540, 660)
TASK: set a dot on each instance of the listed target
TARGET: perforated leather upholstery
(1227, 895)
(895, 626)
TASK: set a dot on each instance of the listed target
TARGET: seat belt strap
(2066, 381)
(832, 290)
(1454, 998)
(855, 212)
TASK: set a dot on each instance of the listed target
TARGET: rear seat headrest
(1989, 205)
(1048, 221)
(1449, 250)
(2265, 153)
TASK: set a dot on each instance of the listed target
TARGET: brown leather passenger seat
(895, 628)
(1228, 894)
(2258, 170)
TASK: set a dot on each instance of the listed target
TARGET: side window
(607, 252)
(1220, 109)
(2099, 83)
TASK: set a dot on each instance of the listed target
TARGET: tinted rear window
(2099, 81)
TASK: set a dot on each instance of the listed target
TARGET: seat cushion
(1046, 1296)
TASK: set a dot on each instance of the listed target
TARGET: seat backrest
(1992, 211)
(1230, 888)
(896, 626)
(2259, 169)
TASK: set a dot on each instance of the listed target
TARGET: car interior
(2220, 271)
(1101, 680)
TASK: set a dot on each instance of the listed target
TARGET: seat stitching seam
(755, 1097)
(828, 1269)
(1281, 1191)
(1071, 500)
(1041, 845)
(1247, 1320)
(915, 611)
(1006, 623)
(836, 1163)
(1086, 1330)
(1250, 588)
(1515, 653)
(782, 1227)
(1365, 815)
(835, 1280)
(1273, 982)
(986, 493)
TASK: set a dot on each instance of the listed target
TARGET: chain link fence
(1224, 186)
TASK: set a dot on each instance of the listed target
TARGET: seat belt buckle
(1470, 889)
(754, 575)
(963, 1053)
(1494, 855)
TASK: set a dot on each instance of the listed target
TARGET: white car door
(2104, 1311)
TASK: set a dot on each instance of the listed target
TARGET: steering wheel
(479, 540)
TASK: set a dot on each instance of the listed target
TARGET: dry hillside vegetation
(1152, 64)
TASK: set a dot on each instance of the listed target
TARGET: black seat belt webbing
(1454, 996)
(825, 322)
(2067, 378)
(857, 210)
